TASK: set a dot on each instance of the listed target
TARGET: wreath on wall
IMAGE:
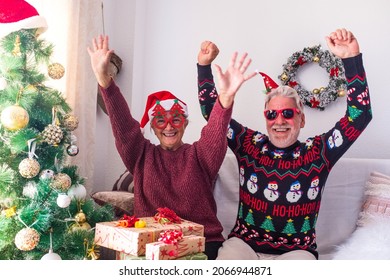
(320, 97)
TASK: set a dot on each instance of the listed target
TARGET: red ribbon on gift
(165, 215)
(171, 236)
(127, 221)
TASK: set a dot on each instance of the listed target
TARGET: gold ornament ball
(80, 226)
(14, 117)
(70, 122)
(80, 217)
(284, 77)
(61, 182)
(29, 168)
(27, 239)
(56, 71)
(316, 91)
(316, 59)
(341, 93)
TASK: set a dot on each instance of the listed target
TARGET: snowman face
(242, 170)
(253, 178)
(273, 186)
(295, 186)
(315, 182)
(230, 133)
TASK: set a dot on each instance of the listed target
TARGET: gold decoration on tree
(80, 222)
(91, 253)
(61, 182)
(52, 134)
(56, 71)
(70, 122)
(27, 239)
(14, 117)
(16, 51)
(29, 168)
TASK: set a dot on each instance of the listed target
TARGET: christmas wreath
(318, 97)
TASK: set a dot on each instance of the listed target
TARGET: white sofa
(341, 204)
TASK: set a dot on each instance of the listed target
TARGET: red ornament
(300, 61)
(314, 103)
(334, 72)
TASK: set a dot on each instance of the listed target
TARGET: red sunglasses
(287, 113)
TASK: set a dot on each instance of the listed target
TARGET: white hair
(284, 91)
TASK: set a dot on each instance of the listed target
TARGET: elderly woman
(172, 174)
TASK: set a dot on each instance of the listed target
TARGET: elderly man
(282, 179)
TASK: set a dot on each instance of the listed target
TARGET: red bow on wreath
(127, 221)
(166, 216)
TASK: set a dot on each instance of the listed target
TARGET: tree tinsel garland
(318, 97)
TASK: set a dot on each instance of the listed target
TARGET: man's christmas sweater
(281, 189)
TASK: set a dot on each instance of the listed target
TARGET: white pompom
(30, 189)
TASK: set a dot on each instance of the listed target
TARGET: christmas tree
(44, 209)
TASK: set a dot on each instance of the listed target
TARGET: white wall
(159, 41)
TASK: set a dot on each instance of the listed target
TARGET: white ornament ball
(78, 192)
(27, 239)
(29, 168)
(63, 200)
(51, 256)
(30, 189)
(46, 174)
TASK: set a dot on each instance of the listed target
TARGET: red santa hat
(162, 101)
(268, 82)
(18, 14)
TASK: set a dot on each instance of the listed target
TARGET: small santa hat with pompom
(268, 82)
(18, 14)
(162, 101)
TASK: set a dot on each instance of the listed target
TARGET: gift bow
(127, 221)
(171, 236)
(166, 216)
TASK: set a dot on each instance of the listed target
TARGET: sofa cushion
(124, 183)
(377, 198)
(123, 202)
(371, 236)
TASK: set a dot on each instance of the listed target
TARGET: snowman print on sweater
(335, 140)
(295, 193)
(252, 184)
(271, 191)
(242, 178)
(314, 188)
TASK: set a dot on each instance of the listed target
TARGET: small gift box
(118, 236)
(173, 245)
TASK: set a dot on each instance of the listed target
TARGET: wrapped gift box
(133, 241)
(186, 246)
(191, 257)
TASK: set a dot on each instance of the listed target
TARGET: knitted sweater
(181, 180)
(281, 189)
